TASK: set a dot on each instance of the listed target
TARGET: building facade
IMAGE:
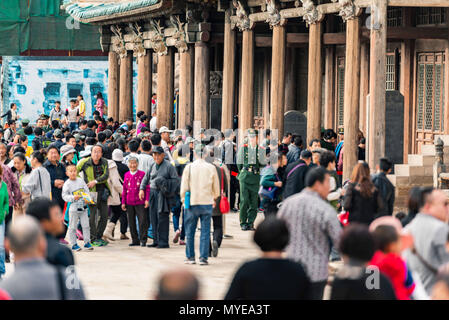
(378, 66)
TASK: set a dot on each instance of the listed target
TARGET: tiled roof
(85, 10)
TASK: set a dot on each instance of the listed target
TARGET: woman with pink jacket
(133, 205)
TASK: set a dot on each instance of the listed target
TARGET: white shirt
(153, 124)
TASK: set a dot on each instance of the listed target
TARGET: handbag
(268, 193)
(224, 202)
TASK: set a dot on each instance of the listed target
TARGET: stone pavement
(120, 272)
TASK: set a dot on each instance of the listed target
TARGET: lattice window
(394, 17)
(430, 92)
(340, 90)
(430, 16)
(390, 72)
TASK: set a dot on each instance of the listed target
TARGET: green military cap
(341, 130)
(252, 132)
(25, 121)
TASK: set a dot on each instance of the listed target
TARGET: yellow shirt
(29, 152)
(82, 108)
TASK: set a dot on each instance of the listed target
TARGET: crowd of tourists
(67, 182)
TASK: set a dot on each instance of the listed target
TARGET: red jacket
(392, 266)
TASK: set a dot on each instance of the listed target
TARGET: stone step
(420, 160)
(428, 150)
(405, 170)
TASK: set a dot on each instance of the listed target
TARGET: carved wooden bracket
(242, 20)
(157, 40)
(179, 35)
(138, 46)
(119, 42)
(348, 10)
(274, 17)
(311, 13)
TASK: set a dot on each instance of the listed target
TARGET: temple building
(378, 66)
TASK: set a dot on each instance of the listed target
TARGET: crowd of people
(72, 178)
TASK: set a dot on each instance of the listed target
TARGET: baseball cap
(157, 149)
(58, 133)
(165, 129)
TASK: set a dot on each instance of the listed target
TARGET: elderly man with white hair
(34, 278)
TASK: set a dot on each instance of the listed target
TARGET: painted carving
(157, 39)
(311, 13)
(348, 9)
(243, 22)
(118, 42)
(216, 83)
(138, 48)
(180, 35)
(274, 17)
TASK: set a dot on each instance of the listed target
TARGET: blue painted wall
(35, 83)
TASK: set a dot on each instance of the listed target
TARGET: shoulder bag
(224, 202)
(187, 195)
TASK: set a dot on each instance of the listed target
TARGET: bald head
(25, 236)
(178, 285)
(436, 204)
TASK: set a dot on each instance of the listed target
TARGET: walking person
(96, 172)
(362, 199)
(133, 205)
(295, 174)
(271, 277)
(200, 179)
(72, 192)
(249, 164)
(33, 277)
(163, 180)
(4, 211)
(430, 236)
(217, 215)
(314, 228)
(385, 187)
(39, 183)
(22, 171)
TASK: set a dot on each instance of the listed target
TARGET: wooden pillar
(378, 48)
(266, 88)
(186, 78)
(246, 111)
(290, 80)
(202, 94)
(278, 80)
(165, 69)
(228, 74)
(352, 96)
(406, 87)
(144, 82)
(314, 83)
(329, 88)
(364, 85)
(113, 85)
(126, 88)
(446, 85)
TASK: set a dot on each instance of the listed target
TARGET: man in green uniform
(25, 123)
(249, 165)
